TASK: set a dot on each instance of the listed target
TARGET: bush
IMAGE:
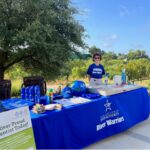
(16, 72)
(138, 69)
(16, 87)
(76, 69)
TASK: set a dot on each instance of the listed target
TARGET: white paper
(79, 100)
(65, 102)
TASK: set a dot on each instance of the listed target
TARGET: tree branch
(16, 61)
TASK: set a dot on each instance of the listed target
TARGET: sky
(115, 25)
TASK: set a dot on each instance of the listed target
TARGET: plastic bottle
(123, 76)
(37, 94)
(27, 93)
(50, 92)
(31, 93)
(106, 79)
(23, 93)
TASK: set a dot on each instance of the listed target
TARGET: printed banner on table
(16, 129)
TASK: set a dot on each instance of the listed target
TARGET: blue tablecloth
(13, 103)
(79, 126)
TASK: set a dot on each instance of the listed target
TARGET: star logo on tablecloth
(107, 105)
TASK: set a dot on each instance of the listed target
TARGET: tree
(122, 56)
(38, 34)
(136, 54)
(94, 49)
(110, 55)
(138, 69)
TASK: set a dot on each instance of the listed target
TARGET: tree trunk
(3, 59)
(2, 70)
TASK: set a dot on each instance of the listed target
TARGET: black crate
(5, 89)
(35, 80)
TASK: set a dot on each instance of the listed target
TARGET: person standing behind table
(96, 71)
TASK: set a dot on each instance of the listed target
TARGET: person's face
(97, 59)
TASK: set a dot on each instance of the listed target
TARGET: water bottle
(37, 94)
(47, 99)
(51, 95)
(31, 93)
(123, 76)
(23, 93)
(27, 93)
(106, 78)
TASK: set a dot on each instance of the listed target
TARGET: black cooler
(5, 89)
(35, 80)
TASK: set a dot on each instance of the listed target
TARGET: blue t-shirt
(96, 71)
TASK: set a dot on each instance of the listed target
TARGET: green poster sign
(16, 130)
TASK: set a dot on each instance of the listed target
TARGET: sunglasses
(96, 57)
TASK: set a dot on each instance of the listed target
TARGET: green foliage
(136, 69)
(78, 72)
(16, 72)
(79, 67)
(122, 56)
(16, 86)
(86, 56)
(136, 54)
(76, 69)
(109, 56)
(94, 49)
(39, 34)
